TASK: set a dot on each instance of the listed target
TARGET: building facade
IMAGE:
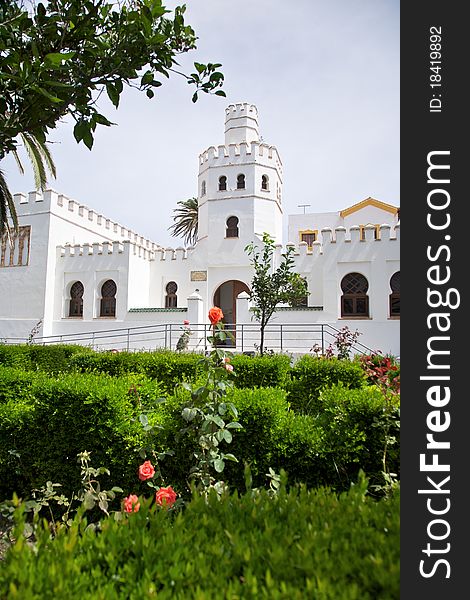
(76, 271)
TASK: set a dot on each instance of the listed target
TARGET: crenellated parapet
(177, 254)
(332, 238)
(79, 214)
(81, 251)
(225, 155)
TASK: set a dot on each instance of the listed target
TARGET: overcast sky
(324, 75)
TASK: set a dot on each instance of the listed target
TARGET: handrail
(282, 337)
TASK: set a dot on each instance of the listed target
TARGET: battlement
(80, 214)
(105, 248)
(341, 235)
(241, 109)
(225, 155)
(179, 253)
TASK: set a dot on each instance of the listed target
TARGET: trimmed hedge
(310, 375)
(47, 421)
(357, 424)
(31, 357)
(43, 428)
(302, 544)
(171, 368)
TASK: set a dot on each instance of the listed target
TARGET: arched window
(354, 301)
(240, 182)
(265, 183)
(203, 188)
(76, 300)
(171, 299)
(222, 183)
(232, 227)
(108, 299)
(395, 295)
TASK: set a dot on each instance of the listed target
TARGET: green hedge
(31, 357)
(310, 375)
(47, 421)
(359, 425)
(171, 368)
(44, 428)
(303, 544)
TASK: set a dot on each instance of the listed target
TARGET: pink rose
(228, 367)
(186, 322)
(131, 503)
(165, 497)
(146, 471)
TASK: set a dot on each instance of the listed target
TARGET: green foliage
(272, 285)
(44, 428)
(360, 425)
(186, 219)
(51, 359)
(310, 375)
(261, 371)
(171, 368)
(299, 544)
(59, 56)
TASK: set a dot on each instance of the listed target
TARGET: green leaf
(227, 436)
(143, 420)
(230, 457)
(147, 78)
(88, 501)
(113, 94)
(220, 93)
(234, 425)
(150, 93)
(219, 465)
(199, 67)
(188, 414)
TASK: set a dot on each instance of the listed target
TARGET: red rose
(165, 496)
(131, 503)
(215, 315)
(146, 471)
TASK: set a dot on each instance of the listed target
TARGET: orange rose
(165, 496)
(215, 315)
(131, 503)
(146, 471)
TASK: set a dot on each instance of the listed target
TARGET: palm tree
(186, 221)
(41, 160)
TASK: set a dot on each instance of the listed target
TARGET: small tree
(272, 286)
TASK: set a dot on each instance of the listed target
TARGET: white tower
(240, 185)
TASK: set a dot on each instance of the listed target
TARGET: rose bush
(165, 496)
(131, 503)
(146, 471)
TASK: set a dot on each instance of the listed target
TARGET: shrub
(42, 431)
(359, 425)
(171, 368)
(300, 544)
(261, 371)
(310, 375)
(31, 357)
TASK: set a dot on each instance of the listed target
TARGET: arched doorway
(226, 298)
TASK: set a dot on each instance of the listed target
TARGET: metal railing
(300, 338)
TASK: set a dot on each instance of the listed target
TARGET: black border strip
(434, 233)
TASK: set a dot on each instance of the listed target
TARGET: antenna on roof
(303, 206)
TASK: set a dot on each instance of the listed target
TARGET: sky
(324, 75)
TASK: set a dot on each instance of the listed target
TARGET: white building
(79, 272)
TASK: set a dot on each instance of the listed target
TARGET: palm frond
(7, 208)
(186, 221)
(40, 158)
